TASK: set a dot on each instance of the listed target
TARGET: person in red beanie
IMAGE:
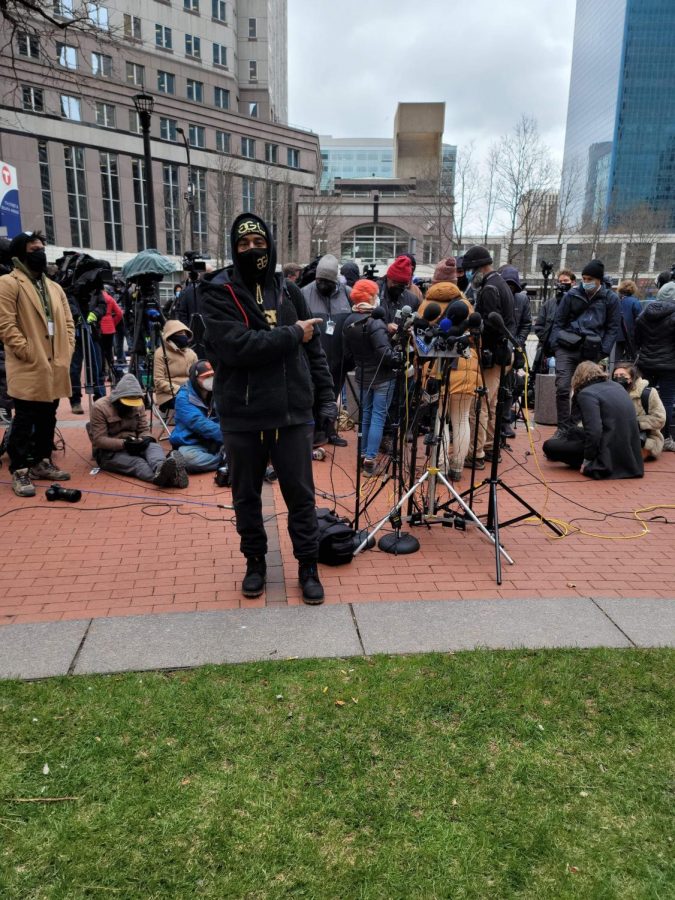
(394, 293)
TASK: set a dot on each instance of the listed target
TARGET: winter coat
(599, 316)
(37, 365)
(265, 377)
(194, 424)
(367, 341)
(522, 314)
(652, 419)
(464, 373)
(107, 428)
(335, 308)
(630, 310)
(655, 332)
(495, 295)
(113, 315)
(188, 303)
(171, 371)
(611, 434)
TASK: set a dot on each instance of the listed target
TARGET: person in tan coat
(37, 329)
(172, 363)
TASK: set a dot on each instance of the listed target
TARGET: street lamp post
(190, 193)
(144, 104)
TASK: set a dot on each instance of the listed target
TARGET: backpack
(336, 539)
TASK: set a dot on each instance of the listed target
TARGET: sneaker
(507, 431)
(337, 441)
(312, 589)
(45, 470)
(254, 580)
(559, 434)
(480, 462)
(166, 473)
(270, 475)
(77, 409)
(669, 444)
(181, 479)
(488, 456)
(369, 466)
(21, 483)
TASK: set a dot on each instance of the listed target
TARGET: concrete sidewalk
(179, 640)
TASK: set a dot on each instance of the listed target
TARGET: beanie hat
(667, 292)
(510, 273)
(446, 270)
(400, 270)
(594, 269)
(17, 246)
(250, 226)
(476, 257)
(443, 292)
(363, 291)
(327, 268)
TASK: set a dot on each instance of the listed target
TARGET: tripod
(93, 376)
(147, 338)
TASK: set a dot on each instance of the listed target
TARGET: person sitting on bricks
(197, 431)
(269, 368)
(122, 441)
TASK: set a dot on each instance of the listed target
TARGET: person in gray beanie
(328, 300)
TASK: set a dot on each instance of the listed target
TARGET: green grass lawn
(513, 774)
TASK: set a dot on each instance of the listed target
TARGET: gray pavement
(181, 640)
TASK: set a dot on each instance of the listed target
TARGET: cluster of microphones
(440, 330)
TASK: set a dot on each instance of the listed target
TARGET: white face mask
(207, 384)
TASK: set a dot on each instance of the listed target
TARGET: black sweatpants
(32, 434)
(290, 449)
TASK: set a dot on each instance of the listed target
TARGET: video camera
(194, 262)
(370, 272)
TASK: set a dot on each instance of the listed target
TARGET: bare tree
(568, 196)
(524, 179)
(466, 190)
(319, 214)
(490, 193)
(222, 198)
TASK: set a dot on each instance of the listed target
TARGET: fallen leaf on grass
(340, 703)
(354, 700)
(583, 793)
(572, 869)
(324, 690)
(185, 781)
(45, 769)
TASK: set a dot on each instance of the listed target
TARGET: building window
(28, 45)
(76, 187)
(163, 37)
(105, 114)
(271, 207)
(33, 98)
(98, 15)
(293, 158)
(222, 142)
(252, 70)
(219, 10)
(46, 187)
(134, 122)
(248, 148)
(272, 153)
(138, 178)
(193, 46)
(220, 55)
(112, 207)
(135, 74)
(253, 110)
(132, 27)
(171, 208)
(67, 56)
(199, 198)
(374, 243)
(248, 194)
(191, 5)
(70, 108)
(167, 129)
(166, 82)
(63, 8)
(195, 90)
(221, 98)
(101, 65)
(431, 249)
(197, 136)
(252, 29)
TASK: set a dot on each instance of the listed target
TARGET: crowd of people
(266, 386)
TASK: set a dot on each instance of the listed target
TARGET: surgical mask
(589, 286)
(207, 384)
(325, 288)
(468, 273)
(180, 340)
(623, 381)
(253, 264)
(36, 260)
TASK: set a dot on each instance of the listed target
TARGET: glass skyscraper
(620, 137)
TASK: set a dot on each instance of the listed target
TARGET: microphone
(375, 313)
(457, 311)
(403, 313)
(431, 312)
(497, 322)
(474, 322)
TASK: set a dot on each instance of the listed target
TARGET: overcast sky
(352, 61)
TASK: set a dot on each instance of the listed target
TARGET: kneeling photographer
(367, 340)
(122, 441)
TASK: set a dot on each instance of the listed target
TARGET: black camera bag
(336, 539)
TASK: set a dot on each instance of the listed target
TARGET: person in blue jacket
(197, 432)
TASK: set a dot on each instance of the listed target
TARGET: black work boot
(254, 580)
(312, 589)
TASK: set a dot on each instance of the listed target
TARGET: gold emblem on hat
(249, 226)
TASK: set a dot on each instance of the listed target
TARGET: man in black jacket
(586, 325)
(492, 295)
(522, 315)
(269, 364)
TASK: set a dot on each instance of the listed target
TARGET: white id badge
(50, 329)
(330, 327)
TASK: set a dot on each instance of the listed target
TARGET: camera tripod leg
(393, 511)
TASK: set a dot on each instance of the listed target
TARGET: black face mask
(180, 340)
(624, 382)
(396, 291)
(253, 264)
(325, 288)
(36, 260)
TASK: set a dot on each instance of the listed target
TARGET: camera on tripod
(194, 263)
(370, 272)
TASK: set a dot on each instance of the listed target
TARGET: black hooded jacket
(655, 335)
(264, 377)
